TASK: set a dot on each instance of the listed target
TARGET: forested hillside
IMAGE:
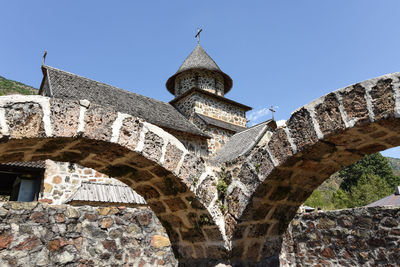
(395, 164)
(364, 182)
(9, 87)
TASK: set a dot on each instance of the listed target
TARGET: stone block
(272, 246)
(130, 132)
(328, 115)
(98, 122)
(153, 144)
(191, 169)
(258, 230)
(144, 218)
(280, 192)
(253, 250)
(25, 120)
(39, 217)
(29, 243)
(147, 191)
(262, 163)
(71, 213)
(169, 185)
(172, 157)
(213, 234)
(64, 117)
(301, 129)
(5, 240)
(256, 210)
(237, 203)
(206, 191)
(279, 145)
(175, 204)
(110, 245)
(106, 223)
(158, 241)
(157, 206)
(383, 102)
(355, 104)
(248, 178)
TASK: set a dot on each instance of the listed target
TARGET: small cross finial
(199, 30)
(272, 111)
(44, 57)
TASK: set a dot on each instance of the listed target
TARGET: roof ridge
(198, 49)
(252, 127)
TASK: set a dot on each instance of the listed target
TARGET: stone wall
(62, 179)
(219, 138)
(203, 79)
(213, 108)
(352, 237)
(39, 234)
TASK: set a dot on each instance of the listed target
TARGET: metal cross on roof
(272, 111)
(44, 57)
(198, 35)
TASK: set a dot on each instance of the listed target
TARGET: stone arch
(142, 155)
(319, 139)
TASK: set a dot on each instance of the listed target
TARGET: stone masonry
(62, 179)
(38, 234)
(205, 80)
(353, 237)
(234, 212)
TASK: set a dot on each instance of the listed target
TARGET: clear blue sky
(281, 53)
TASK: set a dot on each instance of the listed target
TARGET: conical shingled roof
(199, 60)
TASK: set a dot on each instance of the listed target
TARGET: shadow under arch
(143, 156)
(319, 139)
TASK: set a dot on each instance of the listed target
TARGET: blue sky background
(281, 53)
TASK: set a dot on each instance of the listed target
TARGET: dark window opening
(19, 182)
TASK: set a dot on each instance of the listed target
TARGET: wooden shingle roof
(66, 85)
(199, 60)
(242, 142)
(105, 193)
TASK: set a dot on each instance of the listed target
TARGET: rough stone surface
(352, 237)
(98, 122)
(25, 120)
(302, 128)
(262, 192)
(329, 117)
(129, 132)
(78, 239)
(172, 157)
(65, 117)
(152, 146)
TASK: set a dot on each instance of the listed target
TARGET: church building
(200, 116)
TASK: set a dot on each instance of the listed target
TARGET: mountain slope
(10, 87)
(395, 164)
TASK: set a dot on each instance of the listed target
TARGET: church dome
(199, 60)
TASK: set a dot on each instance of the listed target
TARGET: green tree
(320, 199)
(374, 164)
(369, 188)
(341, 199)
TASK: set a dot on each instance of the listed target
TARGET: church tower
(199, 87)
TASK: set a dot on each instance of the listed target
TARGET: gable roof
(110, 193)
(199, 60)
(392, 200)
(66, 85)
(242, 142)
(220, 124)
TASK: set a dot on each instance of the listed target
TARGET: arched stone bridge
(265, 187)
